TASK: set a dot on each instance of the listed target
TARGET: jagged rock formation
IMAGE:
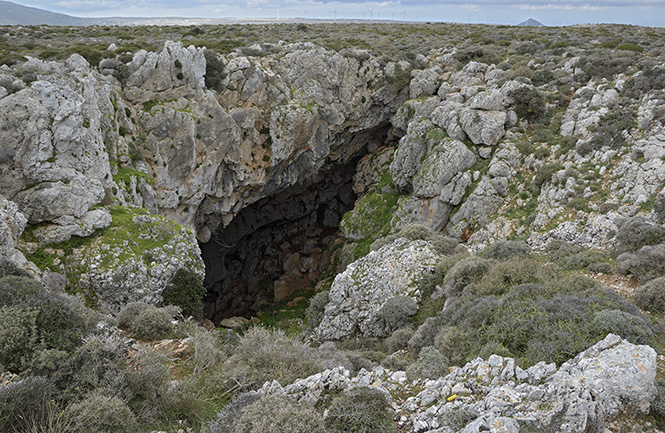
(220, 144)
(583, 394)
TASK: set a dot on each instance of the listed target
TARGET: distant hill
(15, 14)
(531, 23)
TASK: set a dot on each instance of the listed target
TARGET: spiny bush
(152, 324)
(465, 272)
(398, 340)
(611, 128)
(24, 403)
(99, 413)
(456, 417)
(129, 313)
(186, 291)
(262, 354)
(397, 312)
(452, 343)
(18, 337)
(209, 351)
(229, 416)
(651, 296)
(631, 327)
(279, 414)
(569, 256)
(528, 103)
(361, 410)
(502, 276)
(535, 322)
(505, 249)
(637, 232)
(431, 364)
(316, 309)
(424, 335)
(646, 264)
(62, 320)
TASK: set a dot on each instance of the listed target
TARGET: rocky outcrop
(612, 377)
(358, 293)
(12, 224)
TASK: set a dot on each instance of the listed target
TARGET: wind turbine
(333, 13)
(371, 14)
(403, 15)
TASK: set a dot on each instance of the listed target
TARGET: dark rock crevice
(278, 244)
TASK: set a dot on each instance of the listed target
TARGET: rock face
(358, 293)
(12, 223)
(609, 378)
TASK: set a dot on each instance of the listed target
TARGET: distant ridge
(531, 23)
(15, 14)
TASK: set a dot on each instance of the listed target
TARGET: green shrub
(24, 403)
(148, 380)
(279, 414)
(633, 328)
(493, 348)
(452, 343)
(637, 232)
(611, 128)
(444, 244)
(651, 296)
(463, 273)
(505, 249)
(397, 312)
(263, 355)
(398, 340)
(528, 103)
(62, 320)
(456, 417)
(502, 276)
(152, 324)
(129, 313)
(215, 73)
(361, 410)
(646, 264)
(316, 308)
(186, 291)
(229, 416)
(424, 335)
(658, 405)
(428, 281)
(415, 232)
(98, 413)
(431, 364)
(18, 337)
(569, 256)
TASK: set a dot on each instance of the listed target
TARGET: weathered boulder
(12, 223)
(358, 293)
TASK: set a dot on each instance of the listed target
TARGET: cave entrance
(278, 244)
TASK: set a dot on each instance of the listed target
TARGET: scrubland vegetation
(159, 368)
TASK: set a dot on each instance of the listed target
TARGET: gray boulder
(358, 293)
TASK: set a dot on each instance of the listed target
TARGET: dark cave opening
(278, 244)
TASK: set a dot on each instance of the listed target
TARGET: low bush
(25, 403)
(505, 249)
(19, 338)
(636, 233)
(316, 309)
(361, 410)
(573, 257)
(61, 321)
(424, 335)
(651, 296)
(398, 340)
(98, 413)
(279, 414)
(262, 355)
(152, 324)
(463, 273)
(646, 264)
(502, 276)
(397, 312)
(629, 326)
(452, 343)
(431, 364)
(186, 291)
(428, 282)
(229, 416)
(456, 417)
(129, 313)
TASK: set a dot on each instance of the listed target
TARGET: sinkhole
(278, 244)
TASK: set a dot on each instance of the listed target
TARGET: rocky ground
(407, 213)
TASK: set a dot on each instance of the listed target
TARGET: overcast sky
(549, 12)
